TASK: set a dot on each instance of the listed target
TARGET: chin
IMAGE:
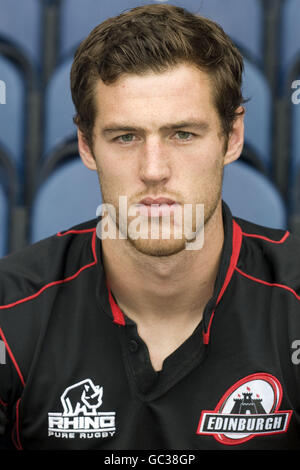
(158, 248)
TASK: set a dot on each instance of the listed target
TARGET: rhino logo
(82, 397)
(80, 417)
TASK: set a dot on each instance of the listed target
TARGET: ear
(85, 152)
(236, 138)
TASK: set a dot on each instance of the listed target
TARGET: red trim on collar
(282, 240)
(117, 313)
(237, 236)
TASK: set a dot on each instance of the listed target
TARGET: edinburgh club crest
(249, 408)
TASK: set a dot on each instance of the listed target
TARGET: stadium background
(44, 187)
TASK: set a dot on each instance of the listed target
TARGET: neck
(153, 290)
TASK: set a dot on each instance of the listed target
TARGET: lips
(148, 201)
(157, 207)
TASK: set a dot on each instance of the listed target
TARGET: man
(115, 341)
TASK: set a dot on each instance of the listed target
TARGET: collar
(229, 258)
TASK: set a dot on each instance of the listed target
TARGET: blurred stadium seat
(244, 25)
(58, 109)
(4, 213)
(289, 71)
(295, 138)
(289, 33)
(69, 196)
(259, 112)
(4, 222)
(76, 21)
(242, 21)
(294, 160)
(13, 215)
(12, 112)
(21, 23)
(252, 196)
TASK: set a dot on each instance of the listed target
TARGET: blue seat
(252, 196)
(4, 223)
(4, 217)
(294, 157)
(77, 22)
(12, 114)
(295, 136)
(258, 117)
(244, 25)
(289, 38)
(59, 109)
(69, 196)
(21, 23)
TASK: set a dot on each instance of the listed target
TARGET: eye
(125, 138)
(183, 135)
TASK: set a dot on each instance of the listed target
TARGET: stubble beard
(167, 247)
(159, 247)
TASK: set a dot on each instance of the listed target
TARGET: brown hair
(155, 37)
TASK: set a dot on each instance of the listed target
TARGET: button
(133, 346)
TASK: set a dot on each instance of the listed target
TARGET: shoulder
(262, 233)
(27, 292)
(25, 272)
(270, 256)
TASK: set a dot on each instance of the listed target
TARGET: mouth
(149, 201)
(156, 207)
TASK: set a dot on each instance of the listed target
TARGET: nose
(154, 162)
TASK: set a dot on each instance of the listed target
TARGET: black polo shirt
(75, 374)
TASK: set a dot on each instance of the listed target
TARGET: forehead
(179, 92)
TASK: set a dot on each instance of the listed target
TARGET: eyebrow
(197, 125)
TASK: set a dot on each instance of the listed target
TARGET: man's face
(158, 135)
